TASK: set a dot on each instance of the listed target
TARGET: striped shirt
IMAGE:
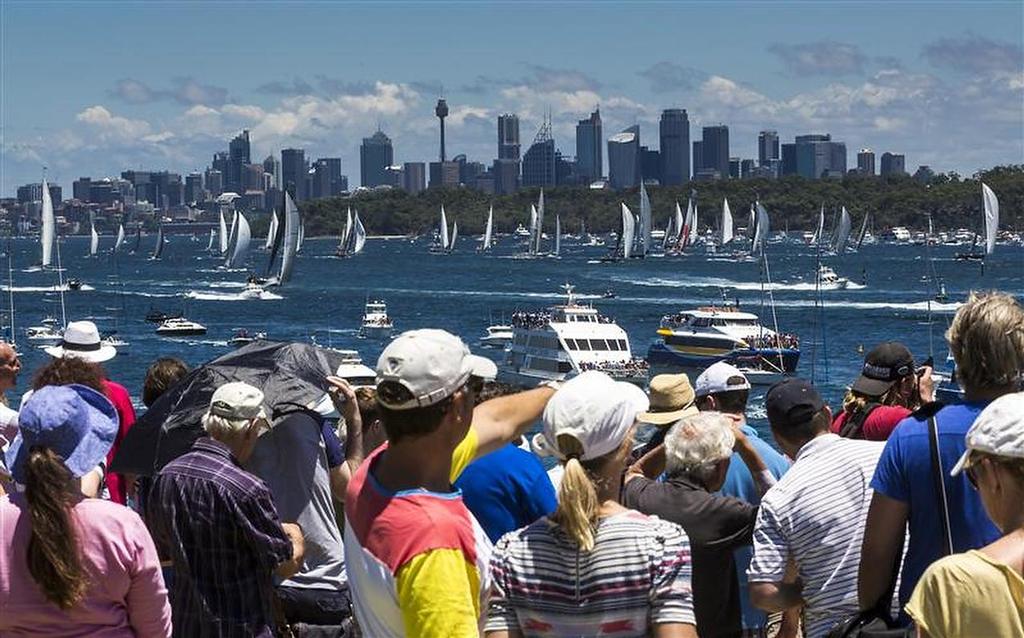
(816, 514)
(637, 575)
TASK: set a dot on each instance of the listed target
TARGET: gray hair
(694, 445)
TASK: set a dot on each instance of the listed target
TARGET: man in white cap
(219, 526)
(724, 388)
(416, 558)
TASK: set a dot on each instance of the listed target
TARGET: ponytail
(577, 497)
(54, 560)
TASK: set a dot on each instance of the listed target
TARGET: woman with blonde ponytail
(592, 567)
(70, 565)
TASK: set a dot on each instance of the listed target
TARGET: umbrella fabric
(289, 374)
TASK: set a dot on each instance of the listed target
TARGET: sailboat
(644, 227)
(726, 233)
(539, 229)
(94, 239)
(843, 232)
(440, 246)
(120, 238)
(223, 236)
(558, 237)
(158, 250)
(628, 231)
(488, 238)
(863, 230)
(242, 238)
(819, 233)
(213, 238)
(990, 217)
(271, 231)
(342, 249)
(287, 241)
(689, 227)
(761, 228)
(302, 236)
(354, 237)
(48, 228)
(455, 236)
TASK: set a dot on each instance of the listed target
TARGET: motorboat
(351, 369)
(608, 294)
(521, 231)
(74, 284)
(376, 322)
(49, 331)
(158, 316)
(829, 280)
(252, 290)
(180, 327)
(244, 337)
(695, 339)
(497, 336)
(564, 340)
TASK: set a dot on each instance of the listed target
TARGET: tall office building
(715, 149)
(818, 156)
(866, 162)
(767, 147)
(788, 159)
(294, 169)
(589, 142)
(698, 156)
(414, 177)
(194, 188)
(214, 181)
(80, 189)
(539, 160)
(375, 155)
(326, 177)
(508, 137)
(893, 164)
(506, 176)
(239, 154)
(650, 165)
(674, 133)
(624, 158)
(272, 166)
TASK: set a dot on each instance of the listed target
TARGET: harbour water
(464, 292)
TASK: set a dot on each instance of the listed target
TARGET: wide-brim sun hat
(82, 340)
(671, 398)
(76, 422)
(593, 408)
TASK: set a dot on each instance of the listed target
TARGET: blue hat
(75, 421)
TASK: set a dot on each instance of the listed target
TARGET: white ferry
(565, 340)
(497, 336)
(376, 322)
(692, 340)
(180, 327)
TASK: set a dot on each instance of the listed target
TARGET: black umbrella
(289, 374)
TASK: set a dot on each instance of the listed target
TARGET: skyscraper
(539, 160)
(674, 132)
(716, 149)
(508, 137)
(698, 156)
(272, 166)
(441, 111)
(326, 177)
(893, 164)
(789, 159)
(80, 189)
(193, 188)
(238, 156)
(650, 165)
(293, 173)
(624, 158)
(866, 162)
(818, 156)
(414, 176)
(767, 147)
(375, 155)
(589, 158)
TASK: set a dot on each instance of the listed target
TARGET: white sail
(669, 232)
(645, 222)
(48, 230)
(243, 237)
(863, 230)
(694, 226)
(120, 238)
(540, 222)
(843, 234)
(223, 235)
(558, 234)
(762, 228)
(687, 228)
(488, 230)
(991, 218)
(534, 231)
(159, 248)
(347, 233)
(292, 223)
(302, 236)
(94, 240)
(752, 222)
(271, 231)
(726, 223)
(455, 235)
(819, 233)
(209, 246)
(359, 235)
(444, 229)
(628, 231)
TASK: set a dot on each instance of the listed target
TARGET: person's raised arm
(504, 419)
(650, 465)
(763, 478)
(883, 536)
(344, 399)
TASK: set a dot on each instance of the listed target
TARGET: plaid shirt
(218, 524)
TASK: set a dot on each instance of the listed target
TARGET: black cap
(792, 402)
(886, 364)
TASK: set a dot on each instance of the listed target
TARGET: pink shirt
(126, 595)
(118, 396)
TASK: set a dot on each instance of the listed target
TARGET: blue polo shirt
(904, 473)
(507, 489)
(739, 483)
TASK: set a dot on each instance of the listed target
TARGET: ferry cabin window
(564, 366)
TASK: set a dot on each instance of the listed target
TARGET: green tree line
(793, 202)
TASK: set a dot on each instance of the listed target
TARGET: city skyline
(943, 96)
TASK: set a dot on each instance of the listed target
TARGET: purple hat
(75, 421)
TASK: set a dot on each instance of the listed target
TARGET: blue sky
(94, 88)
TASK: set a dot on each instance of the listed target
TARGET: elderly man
(218, 525)
(416, 558)
(695, 458)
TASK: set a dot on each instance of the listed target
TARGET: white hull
(376, 332)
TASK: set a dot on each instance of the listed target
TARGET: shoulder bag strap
(938, 476)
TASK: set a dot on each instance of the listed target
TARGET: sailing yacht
(94, 239)
(843, 232)
(376, 323)
(624, 241)
(487, 241)
(120, 238)
(442, 245)
(643, 231)
(567, 339)
(353, 238)
(271, 231)
(557, 252)
(287, 242)
(242, 236)
(158, 249)
(990, 220)
(223, 236)
(47, 231)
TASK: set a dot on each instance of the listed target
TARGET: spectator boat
(829, 280)
(376, 323)
(497, 336)
(180, 327)
(243, 337)
(567, 339)
(695, 339)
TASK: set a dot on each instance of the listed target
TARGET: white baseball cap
(82, 340)
(716, 379)
(594, 409)
(431, 364)
(998, 430)
(237, 400)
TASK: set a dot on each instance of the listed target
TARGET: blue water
(465, 292)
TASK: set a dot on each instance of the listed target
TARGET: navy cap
(792, 402)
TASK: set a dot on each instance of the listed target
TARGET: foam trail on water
(219, 296)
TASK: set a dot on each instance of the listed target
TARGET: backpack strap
(854, 422)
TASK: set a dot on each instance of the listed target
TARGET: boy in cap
(416, 558)
(814, 516)
(219, 526)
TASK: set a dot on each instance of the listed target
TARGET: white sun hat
(82, 340)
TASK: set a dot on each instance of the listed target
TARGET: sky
(94, 88)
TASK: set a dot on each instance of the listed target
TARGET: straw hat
(672, 398)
